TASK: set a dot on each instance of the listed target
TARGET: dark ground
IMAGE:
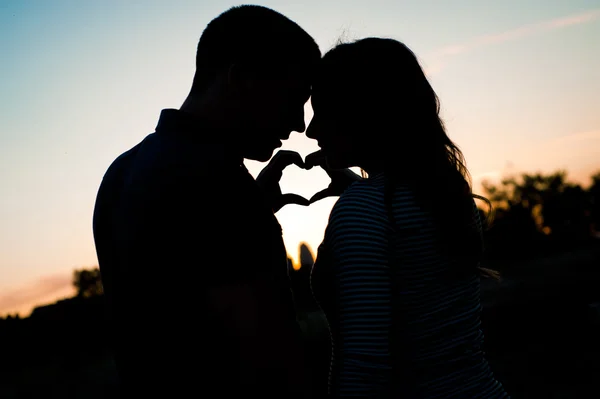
(542, 327)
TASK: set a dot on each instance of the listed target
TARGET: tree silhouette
(537, 212)
(300, 280)
(594, 193)
(88, 282)
(305, 255)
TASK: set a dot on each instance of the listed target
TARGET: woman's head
(372, 101)
(374, 108)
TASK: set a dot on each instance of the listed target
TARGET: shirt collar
(176, 121)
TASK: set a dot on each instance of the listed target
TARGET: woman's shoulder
(362, 200)
(372, 190)
(361, 192)
(367, 199)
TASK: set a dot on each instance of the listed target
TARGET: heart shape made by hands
(305, 183)
(304, 224)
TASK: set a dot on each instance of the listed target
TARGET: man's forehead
(296, 83)
(300, 73)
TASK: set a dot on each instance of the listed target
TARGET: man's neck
(214, 115)
(211, 109)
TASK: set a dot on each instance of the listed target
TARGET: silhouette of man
(191, 255)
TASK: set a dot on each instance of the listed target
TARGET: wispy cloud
(22, 299)
(440, 57)
(575, 152)
(575, 137)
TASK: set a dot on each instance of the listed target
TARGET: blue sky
(83, 81)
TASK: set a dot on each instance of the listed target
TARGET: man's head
(257, 65)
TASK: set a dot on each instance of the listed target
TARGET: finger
(320, 195)
(316, 158)
(346, 175)
(284, 158)
(281, 160)
(287, 199)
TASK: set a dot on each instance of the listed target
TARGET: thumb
(315, 159)
(320, 195)
(287, 199)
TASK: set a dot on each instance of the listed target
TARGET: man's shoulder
(157, 157)
(120, 165)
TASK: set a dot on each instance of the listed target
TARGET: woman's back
(432, 347)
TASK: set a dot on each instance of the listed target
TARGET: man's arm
(251, 301)
(271, 350)
(268, 180)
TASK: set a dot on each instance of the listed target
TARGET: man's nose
(311, 131)
(299, 124)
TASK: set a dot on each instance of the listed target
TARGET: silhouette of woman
(397, 274)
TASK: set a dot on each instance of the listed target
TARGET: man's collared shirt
(176, 216)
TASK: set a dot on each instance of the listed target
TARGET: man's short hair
(256, 37)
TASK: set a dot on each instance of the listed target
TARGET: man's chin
(260, 156)
(335, 164)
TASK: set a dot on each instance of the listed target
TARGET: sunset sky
(83, 81)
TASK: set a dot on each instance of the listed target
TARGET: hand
(341, 179)
(268, 179)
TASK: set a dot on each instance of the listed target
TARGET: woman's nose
(300, 126)
(311, 131)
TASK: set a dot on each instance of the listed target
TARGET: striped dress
(436, 348)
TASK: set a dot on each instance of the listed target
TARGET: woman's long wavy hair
(396, 112)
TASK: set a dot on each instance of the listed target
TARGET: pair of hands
(270, 176)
